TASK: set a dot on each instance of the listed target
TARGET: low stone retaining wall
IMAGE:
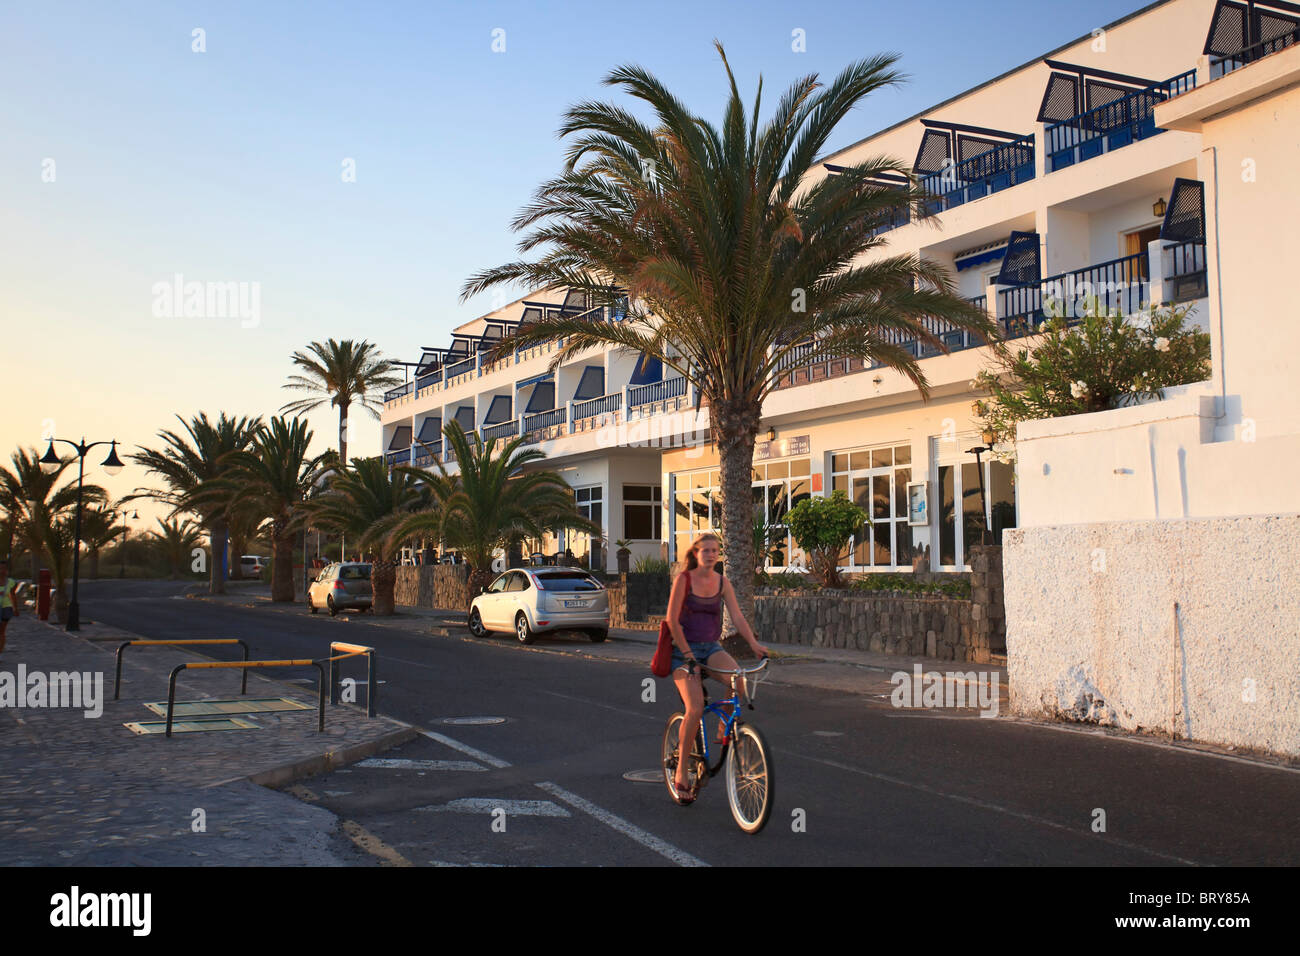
(433, 585)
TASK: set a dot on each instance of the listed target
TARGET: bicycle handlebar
(691, 665)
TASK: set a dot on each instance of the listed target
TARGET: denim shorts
(702, 651)
(6, 613)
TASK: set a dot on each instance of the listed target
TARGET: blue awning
(465, 418)
(592, 383)
(431, 430)
(498, 411)
(401, 438)
(981, 257)
(647, 370)
(542, 399)
(547, 377)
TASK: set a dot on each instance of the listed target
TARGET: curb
(278, 777)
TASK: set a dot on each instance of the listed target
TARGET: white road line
(512, 808)
(596, 703)
(397, 763)
(445, 863)
(466, 749)
(1078, 831)
(649, 840)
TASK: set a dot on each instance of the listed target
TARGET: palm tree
(733, 250)
(343, 373)
(274, 478)
(176, 539)
(186, 464)
(98, 528)
(33, 507)
(491, 503)
(366, 502)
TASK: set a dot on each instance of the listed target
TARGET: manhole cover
(473, 721)
(827, 733)
(644, 776)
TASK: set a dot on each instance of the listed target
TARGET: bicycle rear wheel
(750, 779)
(670, 751)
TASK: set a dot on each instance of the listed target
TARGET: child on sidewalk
(8, 600)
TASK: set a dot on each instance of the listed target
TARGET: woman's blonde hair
(692, 553)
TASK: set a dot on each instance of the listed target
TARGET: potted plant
(623, 554)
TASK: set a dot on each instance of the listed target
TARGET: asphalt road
(857, 782)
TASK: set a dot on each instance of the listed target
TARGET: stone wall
(988, 614)
(638, 601)
(1185, 627)
(433, 585)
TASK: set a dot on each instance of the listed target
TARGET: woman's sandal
(684, 795)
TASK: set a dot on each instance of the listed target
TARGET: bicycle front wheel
(750, 779)
(672, 739)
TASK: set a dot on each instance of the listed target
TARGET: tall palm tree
(733, 250)
(33, 504)
(492, 503)
(274, 477)
(176, 538)
(343, 373)
(366, 502)
(98, 528)
(190, 460)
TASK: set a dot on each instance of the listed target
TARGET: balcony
(1223, 65)
(597, 406)
(504, 430)
(400, 456)
(1000, 168)
(1113, 126)
(655, 392)
(1184, 271)
(1122, 284)
(393, 394)
(424, 381)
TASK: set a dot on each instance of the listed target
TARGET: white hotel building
(1051, 179)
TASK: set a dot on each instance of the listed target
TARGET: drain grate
(242, 705)
(473, 721)
(198, 726)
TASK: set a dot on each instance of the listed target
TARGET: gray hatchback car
(341, 586)
(531, 600)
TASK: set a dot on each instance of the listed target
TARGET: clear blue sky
(226, 166)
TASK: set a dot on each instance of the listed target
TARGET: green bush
(782, 581)
(959, 588)
(822, 527)
(647, 564)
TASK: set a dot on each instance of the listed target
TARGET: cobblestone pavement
(79, 790)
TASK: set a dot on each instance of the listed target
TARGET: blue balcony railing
(426, 453)
(1104, 129)
(540, 421)
(1185, 275)
(399, 391)
(597, 406)
(656, 391)
(1000, 168)
(432, 378)
(1122, 285)
(508, 429)
(401, 456)
(460, 368)
(1221, 65)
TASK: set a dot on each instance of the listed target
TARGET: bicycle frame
(729, 720)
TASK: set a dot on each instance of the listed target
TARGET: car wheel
(329, 602)
(522, 630)
(476, 624)
(311, 607)
(597, 634)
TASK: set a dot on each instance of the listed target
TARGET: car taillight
(338, 586)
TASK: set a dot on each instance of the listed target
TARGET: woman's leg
(688, 685)
(723, 661)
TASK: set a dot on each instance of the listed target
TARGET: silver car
(340, 586)
(533, 600)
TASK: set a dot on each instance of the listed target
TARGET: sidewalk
(825, 668)
(81, 790)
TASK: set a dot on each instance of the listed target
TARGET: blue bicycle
(744, 751)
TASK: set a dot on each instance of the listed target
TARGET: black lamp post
(51, 463)
(986, 537)
(121, 571)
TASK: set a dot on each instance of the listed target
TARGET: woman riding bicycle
(695, 618)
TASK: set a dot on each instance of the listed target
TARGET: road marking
(465, 749)
(397, 763)
(367, 841)
(596, 703)
(512, 808)
(471, 863)
(1081, 832)
(631, 830)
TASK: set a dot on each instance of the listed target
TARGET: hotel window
(642, 507)
(958, 493)
(777, 487)
(590, 505)
(876, 480)
(696, 508)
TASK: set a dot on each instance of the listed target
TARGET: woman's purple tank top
(701, 618)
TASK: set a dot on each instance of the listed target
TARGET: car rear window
(567, 581)
(355, 572)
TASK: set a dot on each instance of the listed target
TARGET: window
(590, 505)
(642, 507)
(876, 480)
(777, 487)
(960, 494)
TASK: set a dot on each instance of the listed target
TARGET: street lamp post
(986, 536)
(51, 463)
(121, 571)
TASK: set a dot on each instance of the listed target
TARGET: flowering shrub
(822, 527)
(1101, 361)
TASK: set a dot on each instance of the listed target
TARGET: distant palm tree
(492, 503)
(98, 528)
(366, 502)
(343, 373)
(736, 253)
(34, 504)
(176, 540)
(186, 463)
(274, 478)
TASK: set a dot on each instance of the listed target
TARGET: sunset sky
(128, 158)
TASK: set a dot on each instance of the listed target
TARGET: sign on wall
(782, 448)
(918, 504)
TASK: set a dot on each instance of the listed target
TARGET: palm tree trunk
(217, 540)
(383, 581)
(94, 563)
(735, 430)
(343, 433)
(282, 566)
